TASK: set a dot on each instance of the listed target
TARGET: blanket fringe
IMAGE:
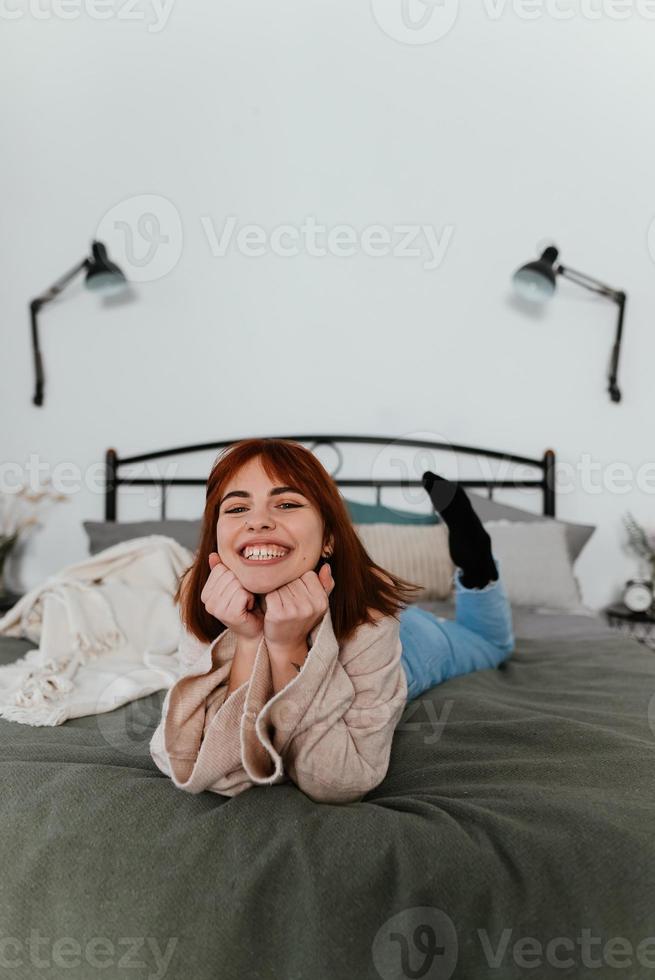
(45, 680)
(37, 715)
(48, 680)
(92, 645)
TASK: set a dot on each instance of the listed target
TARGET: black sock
(468, 542)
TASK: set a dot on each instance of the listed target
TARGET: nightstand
(639, 625)
(7, 600)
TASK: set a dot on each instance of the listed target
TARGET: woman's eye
(286, 504)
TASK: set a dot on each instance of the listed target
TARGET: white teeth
(262, 557)
(258, 554)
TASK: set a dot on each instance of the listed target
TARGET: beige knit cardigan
(329, 730)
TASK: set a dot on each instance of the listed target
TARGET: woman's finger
(274, 602)
(318, 584)
(327, 581)
(219, 590)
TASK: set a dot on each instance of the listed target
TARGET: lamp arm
(582, 279)
(38, 361)
(612, 387)
(60, 284)
(619, 297)
(35, 306)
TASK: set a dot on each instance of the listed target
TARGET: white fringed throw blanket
(107, 631)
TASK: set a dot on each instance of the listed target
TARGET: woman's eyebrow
(272, 493)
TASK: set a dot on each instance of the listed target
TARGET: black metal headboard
(545, 481)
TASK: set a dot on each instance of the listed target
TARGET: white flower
(17, 509)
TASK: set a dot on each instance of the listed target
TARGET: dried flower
(641, 540)
(17, 510)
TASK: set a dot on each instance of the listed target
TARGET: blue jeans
(434, 649)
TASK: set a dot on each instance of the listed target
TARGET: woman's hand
(224, 597)
(293, 610)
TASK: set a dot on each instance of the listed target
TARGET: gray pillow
(104, 534)
(577, 535)
(535, 564)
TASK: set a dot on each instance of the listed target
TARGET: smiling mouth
(256, 560)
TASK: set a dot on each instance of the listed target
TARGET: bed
(513, 836)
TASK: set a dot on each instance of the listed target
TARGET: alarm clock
(638, 595)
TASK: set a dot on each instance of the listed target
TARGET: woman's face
(261, 512)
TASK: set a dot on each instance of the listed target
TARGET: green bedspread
(514, 836)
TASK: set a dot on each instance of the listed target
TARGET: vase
(7, 543)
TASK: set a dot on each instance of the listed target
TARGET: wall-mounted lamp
(536, 283)
(102, 275)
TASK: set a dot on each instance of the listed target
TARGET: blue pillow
(379, 514)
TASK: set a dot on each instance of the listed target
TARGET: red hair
(359, 584)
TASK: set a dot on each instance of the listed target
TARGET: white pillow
(535, 563)
(418, 554)
(533, 556)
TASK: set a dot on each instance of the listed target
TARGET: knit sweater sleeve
(199, 730)
(333, 724)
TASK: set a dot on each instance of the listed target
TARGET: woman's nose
(259, 522)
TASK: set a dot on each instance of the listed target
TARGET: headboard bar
(546, 464)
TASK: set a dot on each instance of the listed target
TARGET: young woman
(298, 652)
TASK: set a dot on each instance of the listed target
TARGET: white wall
(502, 135)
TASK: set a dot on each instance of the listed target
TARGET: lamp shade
(535, 281)
(102, 274)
